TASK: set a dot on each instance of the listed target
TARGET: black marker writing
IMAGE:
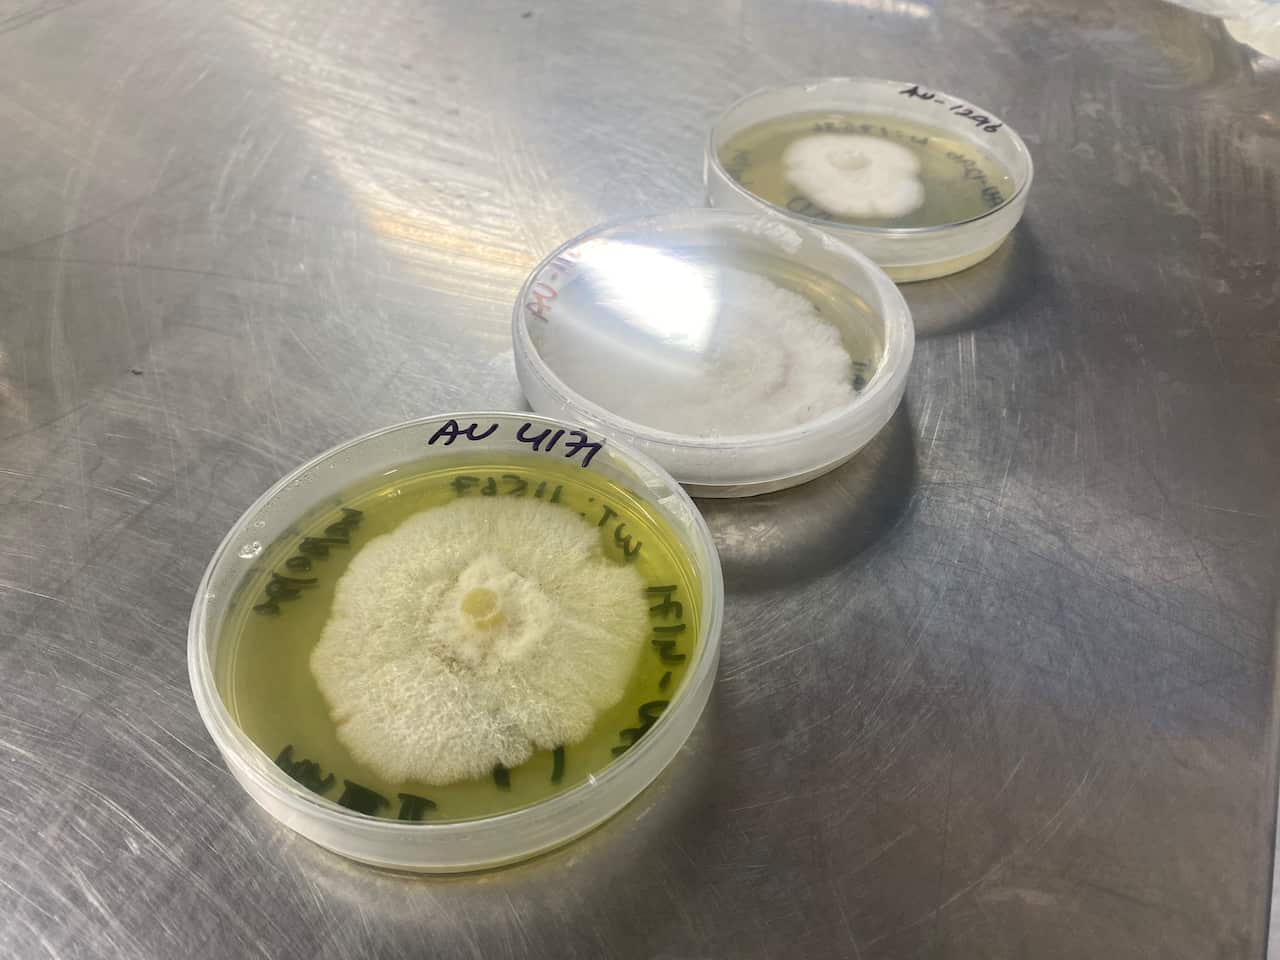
(306, 772)
(284, 588)
(623, 540)
(362, 799)
(578, 442)
(983, 122)
(413, 807)
(667, 607)
(451, 431)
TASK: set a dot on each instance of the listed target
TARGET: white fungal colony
(474, 634)
(855, 176)
(765, 360)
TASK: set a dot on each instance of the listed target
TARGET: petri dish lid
(743, 353)
(481, 842)
(971, 142)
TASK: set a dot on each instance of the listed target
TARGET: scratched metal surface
(1001, 687)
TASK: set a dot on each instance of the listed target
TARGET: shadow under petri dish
(805, 532)
(989, 292)
(676, 796)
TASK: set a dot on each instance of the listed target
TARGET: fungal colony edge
(706, 339)
(866, 170)
(460, 638)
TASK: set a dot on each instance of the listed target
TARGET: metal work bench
(1001, 687)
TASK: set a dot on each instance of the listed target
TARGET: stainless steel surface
(1001, 687)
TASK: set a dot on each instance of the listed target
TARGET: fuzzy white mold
(855, 176)
(764, 360)
(474, 634)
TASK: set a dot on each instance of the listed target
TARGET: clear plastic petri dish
(924, 183)
(744, 353)
(458, 642)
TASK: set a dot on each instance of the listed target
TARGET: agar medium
(458, 642)
(743, 353)
(921, 181)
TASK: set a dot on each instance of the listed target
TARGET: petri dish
(458, 642)
(923, 182)
(743, 353)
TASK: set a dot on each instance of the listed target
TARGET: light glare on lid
(655, 292)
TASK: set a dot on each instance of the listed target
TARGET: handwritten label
(807, 208)
(664, 635)
(452, 431)
(963, 110)
(569, 444)
(547, 287)
(870, 129)
(738, 165)
(510, 485)
(285, 587)
(860, 370)
(540, 296)
(354, 796)
(990, 192)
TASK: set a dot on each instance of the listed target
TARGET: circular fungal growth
(474, 634)
(855, 176)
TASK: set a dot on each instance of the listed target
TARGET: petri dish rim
(892, 309)
(804, 86)
(684, 710)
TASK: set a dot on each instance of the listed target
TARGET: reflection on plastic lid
(657, 292)
(714, 346)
